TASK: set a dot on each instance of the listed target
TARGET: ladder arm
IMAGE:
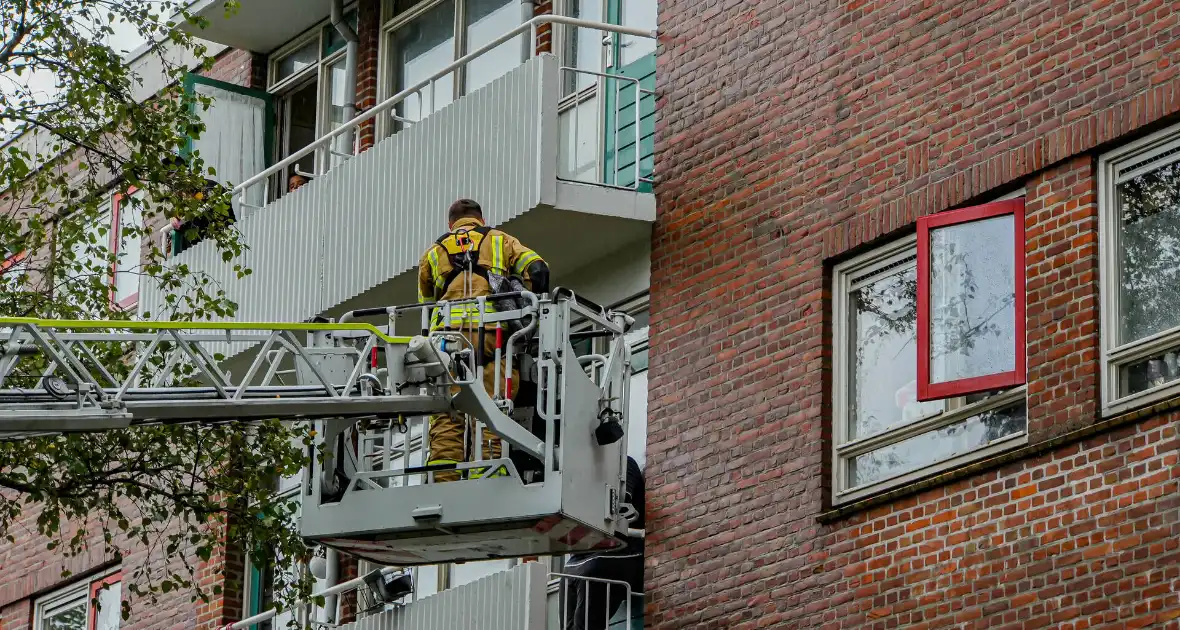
(474, 399)
(74, 376)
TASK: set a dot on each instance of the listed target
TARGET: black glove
(539, 277)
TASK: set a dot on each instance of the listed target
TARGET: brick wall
(544, 31)
(369, 32)
(792, 135)
(240, 67)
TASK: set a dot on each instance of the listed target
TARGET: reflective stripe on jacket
(502, 254)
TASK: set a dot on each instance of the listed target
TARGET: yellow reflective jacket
(499, 253)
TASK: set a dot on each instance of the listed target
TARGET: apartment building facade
(912, 358)
(912, 354)
(542, 130)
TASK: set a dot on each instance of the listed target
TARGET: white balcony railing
(323, 146)
(365, 220)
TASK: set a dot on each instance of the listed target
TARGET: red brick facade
(792, 135)
(369, 33)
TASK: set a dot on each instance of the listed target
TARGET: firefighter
(472, 260)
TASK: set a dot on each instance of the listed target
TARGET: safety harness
(463, 247)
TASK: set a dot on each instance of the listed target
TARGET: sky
(125, 39)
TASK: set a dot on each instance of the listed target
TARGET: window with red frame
(126, 241)
(118, 218)
(13, 270)
(928, 351)
(94, 604)
(970, 319)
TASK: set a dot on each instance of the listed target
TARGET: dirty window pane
(972, 299)
(937, 446)
(884, 346)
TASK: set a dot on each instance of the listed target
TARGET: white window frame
(560, 38)
(121, 204)
(296, 492)
(955, 409)
(391, 21)
(321, 73)
(1147, 154)
(70, 595)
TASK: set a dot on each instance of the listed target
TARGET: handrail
(390, 102)
(340, 588)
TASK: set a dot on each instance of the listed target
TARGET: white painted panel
(369, 219)
(509, 600)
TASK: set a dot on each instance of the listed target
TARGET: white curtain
(234, 140)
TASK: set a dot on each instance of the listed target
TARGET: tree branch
(22, 30)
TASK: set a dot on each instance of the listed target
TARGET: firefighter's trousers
(452, 437)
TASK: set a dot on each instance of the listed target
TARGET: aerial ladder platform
(558, 487)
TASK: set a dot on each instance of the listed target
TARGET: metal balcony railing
(364, 220)
(323, 146)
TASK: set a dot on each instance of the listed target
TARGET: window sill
(1164, 396)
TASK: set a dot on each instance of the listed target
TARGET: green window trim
(623, 171)
(192, 80)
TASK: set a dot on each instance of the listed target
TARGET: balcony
(352, 237)
(257, 25)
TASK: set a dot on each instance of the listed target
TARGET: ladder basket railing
(494, 336)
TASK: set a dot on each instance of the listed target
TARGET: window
(424, 37)
(885, 434)
(260, 585)
(468, 572)
(971, 300)
(91, 248)
(582, 48)
(127, 222)
(1139, 245)
(598, 51)
(88, 605)
(307, 77)
(601, 72)
(111, 246)
(636, 14)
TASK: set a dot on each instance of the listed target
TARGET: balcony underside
(258, 25)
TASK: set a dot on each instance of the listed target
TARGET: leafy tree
(79, 133)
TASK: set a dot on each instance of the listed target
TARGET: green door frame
(188, 84)
(643, 70)
(192, 80)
